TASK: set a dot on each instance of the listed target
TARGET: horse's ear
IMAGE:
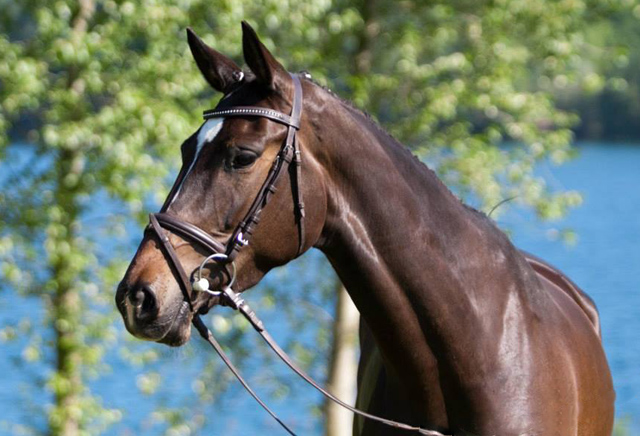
(267, 69)
(220, 71)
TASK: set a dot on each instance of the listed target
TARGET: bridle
(225, 254)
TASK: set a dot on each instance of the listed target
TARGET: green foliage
(97, 95)
(608, 97)
(621, 427)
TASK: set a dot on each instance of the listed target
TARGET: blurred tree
(342, 363)
(91, 95)
(607, 98)
(621, 427)
(98, 94)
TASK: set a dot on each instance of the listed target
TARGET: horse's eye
(243, 159)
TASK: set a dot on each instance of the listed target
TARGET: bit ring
(200, 284)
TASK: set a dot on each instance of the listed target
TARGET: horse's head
(224, 165)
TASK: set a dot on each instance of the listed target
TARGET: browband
(252, 111)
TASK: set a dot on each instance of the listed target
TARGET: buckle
(241, 239)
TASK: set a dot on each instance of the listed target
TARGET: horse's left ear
(220, 71)
(267, 69)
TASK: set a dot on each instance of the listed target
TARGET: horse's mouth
(173, 330)
(204, 308)
(172, 326)
(176, 339)
(179, 330)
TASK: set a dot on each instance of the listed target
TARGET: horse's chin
(178, 335)
(179, 332)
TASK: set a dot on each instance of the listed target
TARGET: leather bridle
(225, 254)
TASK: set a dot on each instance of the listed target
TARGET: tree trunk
(66, 306)
(343, 365)
(65, 419)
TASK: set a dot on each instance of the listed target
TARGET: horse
(461, 332)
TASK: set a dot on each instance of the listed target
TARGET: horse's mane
(373, 125)
(353, 108)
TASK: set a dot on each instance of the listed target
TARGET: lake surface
(605, 262)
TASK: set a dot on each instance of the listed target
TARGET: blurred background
(532, 101)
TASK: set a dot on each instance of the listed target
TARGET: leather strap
(287, 360)
(174, 262)
(296, 177)
(253, 111)
(189, 232)
(237, 303)
(208, 336)
(245, 228)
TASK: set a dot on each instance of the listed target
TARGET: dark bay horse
(462, 332)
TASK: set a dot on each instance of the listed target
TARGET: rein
(225, 254)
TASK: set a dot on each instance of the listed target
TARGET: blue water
(605, 262)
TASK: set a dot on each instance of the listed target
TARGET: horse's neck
(406, 249)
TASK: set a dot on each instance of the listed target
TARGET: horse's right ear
(267, 69)
(220, 71)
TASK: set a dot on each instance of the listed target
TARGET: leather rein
(225, 254)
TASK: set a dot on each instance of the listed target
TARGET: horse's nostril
(149, 303)
(143, 299)
(138, 298)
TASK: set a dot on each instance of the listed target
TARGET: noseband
(225, 254)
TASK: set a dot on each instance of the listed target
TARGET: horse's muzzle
(139, 307)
